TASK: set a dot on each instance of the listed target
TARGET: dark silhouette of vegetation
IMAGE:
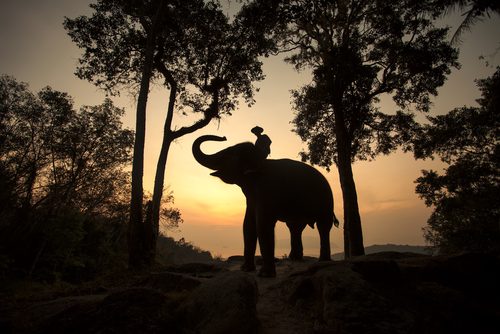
(64, 179)
(466, 197)
(473, 11)
(204, 60)
(359, 52)
(64, 188)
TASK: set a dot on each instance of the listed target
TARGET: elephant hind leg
(296, 251)
(324, 228)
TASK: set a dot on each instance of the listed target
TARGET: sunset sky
(36, 49)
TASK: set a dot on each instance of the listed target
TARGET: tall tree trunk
(353, 234)
(158, 194)
(136, 237)
(138, 231)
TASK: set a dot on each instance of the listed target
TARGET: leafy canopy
(197, 49)
(359, 51)
(54, 155)
(465, 198)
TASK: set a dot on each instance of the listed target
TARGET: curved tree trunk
(153, 222)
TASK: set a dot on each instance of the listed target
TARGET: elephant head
(233, 164)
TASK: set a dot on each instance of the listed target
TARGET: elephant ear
(238, 163)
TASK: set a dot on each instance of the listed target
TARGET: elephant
(286, 190)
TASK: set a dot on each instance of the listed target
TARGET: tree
(465, 198)
(62, 172)
(359, 51)
(205, 61)
(110, 40)
(57, 156)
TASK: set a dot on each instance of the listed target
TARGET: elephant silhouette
(286, 190)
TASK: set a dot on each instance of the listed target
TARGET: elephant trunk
(212, 161)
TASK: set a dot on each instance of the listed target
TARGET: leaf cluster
(465, 198)
(197, 49)
(51, 152)
(360, 51)
(64, 184)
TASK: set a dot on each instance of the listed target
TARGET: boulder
(169, 282)
(448, 294)
(136, 310)
(223, 304)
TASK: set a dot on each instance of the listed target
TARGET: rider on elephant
(263, 142)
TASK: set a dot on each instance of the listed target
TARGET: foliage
(474, 11)
(197, 49)
(359, 52)
(55, 156)
(170, 216)
(466, 197)
(180, 251)
(63, 181)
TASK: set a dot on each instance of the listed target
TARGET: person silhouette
(262, 144)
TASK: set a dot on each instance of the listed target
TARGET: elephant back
(295, 188)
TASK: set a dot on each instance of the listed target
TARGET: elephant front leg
(265, 232)
(296, 251)
(249, 240)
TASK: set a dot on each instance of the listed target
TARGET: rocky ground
(379, 293)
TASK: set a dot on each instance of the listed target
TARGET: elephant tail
(335, 221)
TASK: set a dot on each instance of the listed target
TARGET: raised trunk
(211, 161)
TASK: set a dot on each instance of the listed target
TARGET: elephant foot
(247, 267)
(325, 258)
(267, 272)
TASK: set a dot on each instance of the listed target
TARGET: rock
(241, 258)
(168, 282)
(136, 310)
(236, 258)
(223, 304)
(40, 314)
(380, 271)
(386, 293)
(341, 300)
(449, 294)
(195, 269)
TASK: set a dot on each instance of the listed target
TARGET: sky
(36, 49)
